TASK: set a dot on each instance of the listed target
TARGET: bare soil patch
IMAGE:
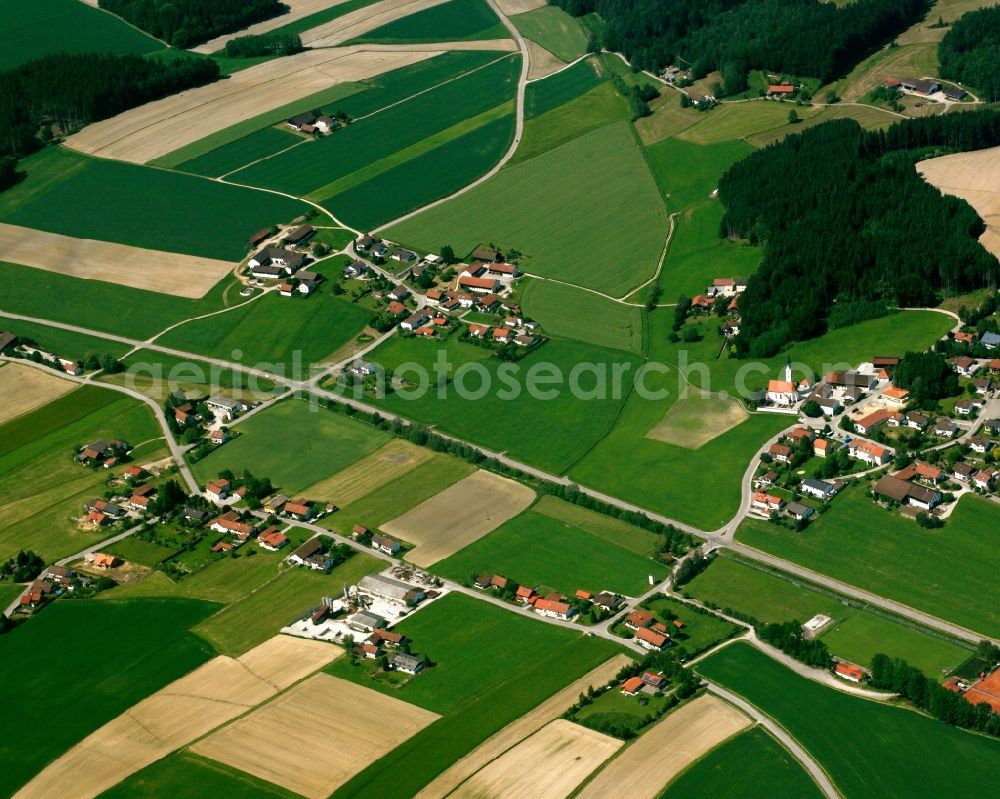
(974, 177)
(672, 744)
(183, 711)
(172, 273)
(548, 765)
(459, 515)
(541, 62)
(317, 736)
(515, 732)
(24, 388)
(155, 129)
(386, 464)
(693, 421)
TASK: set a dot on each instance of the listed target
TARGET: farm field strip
(185, 710)
(675, 742)
(385, 465)
(541, 63)
(357, 23)
(188, 276)
(454, 20)
(553, 29)
(160, 127)
(23, 389)
(298, 9)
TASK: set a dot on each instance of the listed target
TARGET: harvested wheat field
(24, 388)
(389, 462)
(298, 9)
(548, 765)
(541, 62)
(693, 421)
(188, 708)
(357, 23)
(189, 276)
(511, 7)
(155, 129)
(459, 515)
(673, 744)
(975, 177)
(317, 736)
(515, 732)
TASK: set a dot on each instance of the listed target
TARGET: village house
(780, 90)
(408, 664)
(415, 321)
(218, 437)
(299, 509)
(403, 256)
(217, 490)
(356, 270)
(869, 452)
(271, 539)
(650, 639)
(766, 502)
(781, 453)
(965, 338)
(963, 471)
(850, 379)
(390, 588)
(765, 480)
(299, 121)
(488, 303)
(383, 543)
(227, 408)
(821, 447)
(872, 421)
(607, 601)
(554, 608)
(983, 480)
(849, 672)
(365, 621)
(920, 86)
(820, 489)
(273, 262)
(525, 595)
(231, 523)
(799, 511)
(894, 395)
(983, 386)
(968, 407)
(632, 686)
(486, 254)
(904, 492)
(101, 560)
(990, 340)
(964, 365)
(109, 509)
(945, 427)
(981, 445)
(311, 553)
(480, 285)
(300, 234)
(258, 237)
(992, 426)
(638, 619)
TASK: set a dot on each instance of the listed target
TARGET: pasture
(868, 116)
(570, 312)
(111, 655)
(548, 765)
(866, 546)
(81, 197)
(269, 742)
(688, 173)
(283, 335)
(555, 30)
(455, 20)
(867, 748)
(546, 552)
(537, 207)
(734, 121)
(385, 465)
(34, 30)
(676, 741)
(184, 710)
(854, 634)
(458, 516)
(750, 765)
(294, 444)
(25, 388)
(695, 420)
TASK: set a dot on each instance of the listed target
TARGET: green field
(263, 613)
(867, 748)
(294, 444)
(455, 20)
(868, 117)
(80, 664)
(285, 332)
(622, 534)
(43, 488)
(493, 666)
(608, 238)
(553, 29)
(544, 95)
(732, 121)
(544, 551)
(688, 173)
(570, 312)
(185, 774)
(35, 29)
(751, 765)
(854, 635)
(229, 157)
(864, 545)
(62, 343)
(74, 195)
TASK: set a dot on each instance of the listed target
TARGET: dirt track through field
(548, 765)
(459, 515)
(974, 177)
(155, 129)
(298, 10)
(173, 273)
(188, 708)
(357, 23)
(642, 770)
(317, 736)
(388, 463)
(518, 730)
(23, 389)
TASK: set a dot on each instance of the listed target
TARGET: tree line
(970, 52)
(803, 37)
(263, 44)
(184, 23)
(845, 218)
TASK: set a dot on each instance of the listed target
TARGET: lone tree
(793, 117)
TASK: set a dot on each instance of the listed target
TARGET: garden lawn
(229, 157)
(553, 29)
(867, 748)
(456, 20)
(944, 572)
(109, 656)
(569, 312)
(539, 550)
(294, 444)
(564, 230)
(558, 89)
(75, 195)
(36, 29)
(751, 765)
(42, 486)
(493, 666)
(263, 613)
(854, 635)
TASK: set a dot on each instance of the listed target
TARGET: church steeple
(788, 370)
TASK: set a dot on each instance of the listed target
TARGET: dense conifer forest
(970, 52)
(803, 37)
(185, 23)
(845, 218)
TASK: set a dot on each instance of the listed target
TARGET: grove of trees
(970, 52)
(184, 23)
